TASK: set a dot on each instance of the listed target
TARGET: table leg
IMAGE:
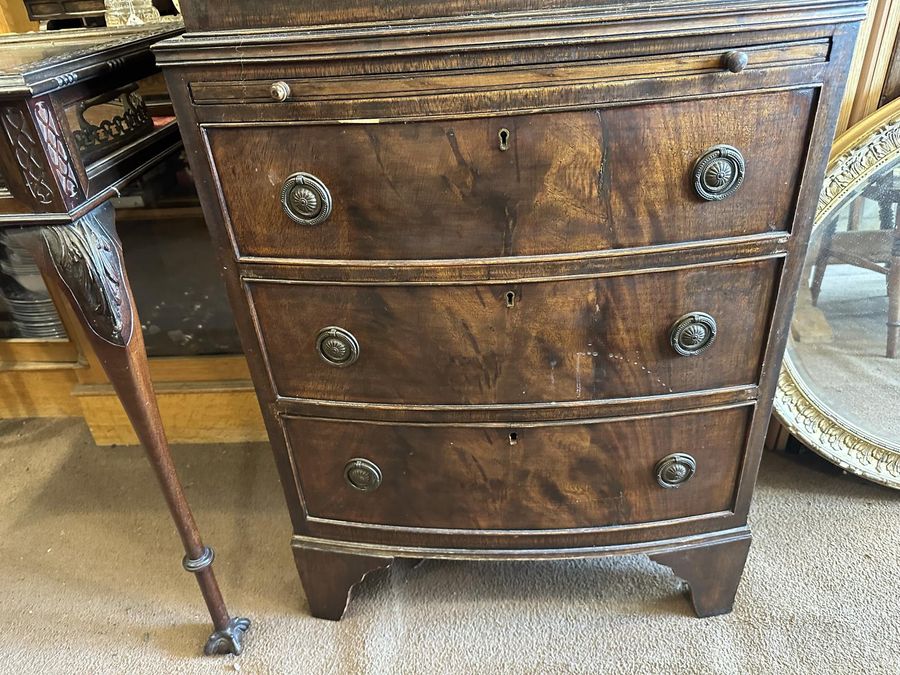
(84, 259)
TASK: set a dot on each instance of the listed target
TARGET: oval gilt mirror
(839, 390)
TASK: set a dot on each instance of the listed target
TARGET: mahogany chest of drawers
(513, 277)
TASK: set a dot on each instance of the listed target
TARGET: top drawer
(549, 183)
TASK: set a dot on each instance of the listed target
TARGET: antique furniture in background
(514, 282)
(839, 391)
(75, 131)
(200, 375)
(876, 250)
(98, 12)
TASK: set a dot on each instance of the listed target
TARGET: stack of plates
(33, 313)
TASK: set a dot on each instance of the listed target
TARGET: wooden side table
(75, 129)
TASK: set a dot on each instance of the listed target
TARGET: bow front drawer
(515, 185)
(589, 474)
(502, 343)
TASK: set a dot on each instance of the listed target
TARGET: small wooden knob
(735, 61)
(280, 91)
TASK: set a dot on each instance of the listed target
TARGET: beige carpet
(90, 581)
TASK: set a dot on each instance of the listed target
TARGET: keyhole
(504, 139)
(513, 438)
(511, 299)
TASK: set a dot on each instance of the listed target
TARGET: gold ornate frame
(859, 153)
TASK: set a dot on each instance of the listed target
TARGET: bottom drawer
(526, 477)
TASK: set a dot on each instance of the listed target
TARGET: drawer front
(498, 343)
(516, 185)
(519, 478)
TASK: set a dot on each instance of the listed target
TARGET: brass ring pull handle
(306, 199)
(362, 475)
(735, 61)
(693, 334)
(719, 173)
(675, 470)
(337, 346)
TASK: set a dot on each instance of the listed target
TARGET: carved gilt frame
(858, 154)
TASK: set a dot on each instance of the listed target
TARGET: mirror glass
(845, 336)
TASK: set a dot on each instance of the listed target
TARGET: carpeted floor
(91, 581)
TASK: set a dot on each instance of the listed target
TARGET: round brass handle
(362, 475)
(337, 346)
(675, 470)
(719, 172)
(735, 61)
(280, 91)
(305, 199)
(693, 333)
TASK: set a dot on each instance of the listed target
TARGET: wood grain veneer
(473, 284)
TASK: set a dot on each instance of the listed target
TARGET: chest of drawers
(513, 278)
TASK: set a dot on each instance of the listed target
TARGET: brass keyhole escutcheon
(511, 298)
(504, 135)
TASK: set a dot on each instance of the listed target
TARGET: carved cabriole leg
(84, 260)
(713, 573)
(328, 579)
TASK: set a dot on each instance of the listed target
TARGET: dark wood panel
(615, 67)
(560, 341)
(575, 181)
(544, 477)
(241, 14)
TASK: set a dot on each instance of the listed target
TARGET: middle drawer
(510, 343)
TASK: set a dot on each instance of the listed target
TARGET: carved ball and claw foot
(228, 640)
(712, 572)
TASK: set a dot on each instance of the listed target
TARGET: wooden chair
(875, 250)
